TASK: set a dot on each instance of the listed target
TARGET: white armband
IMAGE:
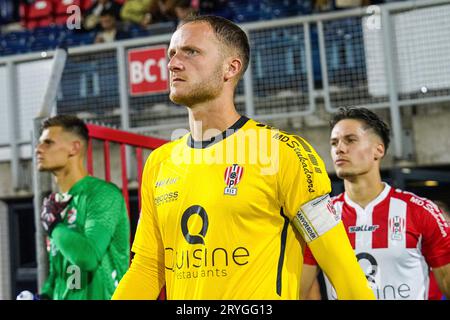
(316, 217)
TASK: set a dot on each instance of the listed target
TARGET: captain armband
(316, 217)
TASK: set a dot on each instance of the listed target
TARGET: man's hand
(51, 211)
(28, 295)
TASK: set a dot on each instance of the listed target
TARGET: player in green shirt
(86, 222)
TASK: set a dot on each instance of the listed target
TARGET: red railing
(123, 139)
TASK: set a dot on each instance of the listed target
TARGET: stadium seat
(345, 51)
(40, 9)
(274, 9)
(278, 62)
(244, 11)
(8, 11)
(38, 14)
(136, 31)
(317, 70)
(42, 44)
(72, 39)
(45, 38)
(60, 10)
(61, 20)
(304, 6)
(86, 4)
(220, 8)
(161, 28)
(247, 10)
(16, 42)
(87, 38)
(87, 84)
(60, 6)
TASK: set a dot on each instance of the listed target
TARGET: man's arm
(78, 247)
(435, 244)
(139, 281)
(304, 187)
(336, 258)
(442, 275)
(82, 250)
(145, 277)
(322, 229)
(309, 285)
(86, 249)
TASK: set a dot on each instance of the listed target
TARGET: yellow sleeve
(139, 281)
(302, 173)
(336, 258)
(145, 277)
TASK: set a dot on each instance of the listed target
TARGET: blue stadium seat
(87, 38)
(43, 44)
(8, 11)
(87, 84)
(16, 42)
(303, 6)
(72, 39)
(40, 38)
(136, 31)
(317, 71)
(278, 62)
(221, 8)
(161, 28)
(274, 9)
(245, 11)
(345, 51)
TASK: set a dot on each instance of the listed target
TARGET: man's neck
(364, 189)
(207, 121)
(65, 178)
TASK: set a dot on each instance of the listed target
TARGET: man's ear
(77, 148)
(379, 151)
(233, 68)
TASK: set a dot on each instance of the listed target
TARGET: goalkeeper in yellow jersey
(228, 208)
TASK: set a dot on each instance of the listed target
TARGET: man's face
(54, 149)
(355, 150)
(196, 64)
(107, 22)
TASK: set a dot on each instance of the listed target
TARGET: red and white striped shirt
(397, 238)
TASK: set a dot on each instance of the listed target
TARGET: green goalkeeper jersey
(89, 251)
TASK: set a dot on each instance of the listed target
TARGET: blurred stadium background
(308, 59)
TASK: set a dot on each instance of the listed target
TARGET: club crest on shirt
(397, 227)
(233, 174)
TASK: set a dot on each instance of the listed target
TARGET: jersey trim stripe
(282, 251)
(363, 240)
(225, 134)
(227, 175)
(350, 221)
(380, 236)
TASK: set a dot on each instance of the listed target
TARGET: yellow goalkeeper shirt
(215, 218)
